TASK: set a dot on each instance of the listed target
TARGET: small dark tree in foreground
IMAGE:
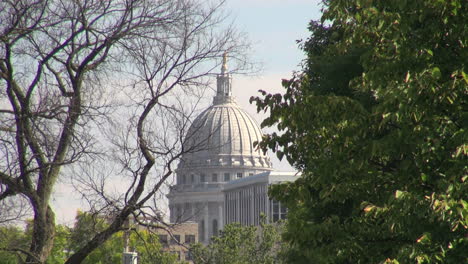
(377, 125)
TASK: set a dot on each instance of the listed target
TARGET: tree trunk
(42, 236)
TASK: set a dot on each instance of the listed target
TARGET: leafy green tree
(13, 238)
(377, 125)
(144, 242)
(61, 249)
(14, 241)
(239, 244)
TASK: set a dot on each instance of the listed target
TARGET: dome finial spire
(224, 67)
(223, 91)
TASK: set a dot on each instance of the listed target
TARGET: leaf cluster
(377, 124)
(239, 244)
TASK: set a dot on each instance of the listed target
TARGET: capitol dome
(224, 135)
(219, 148)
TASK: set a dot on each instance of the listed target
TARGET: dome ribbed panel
(254, 134)
(237, 137)
(248, 138)
(227, 136)
(214, 130)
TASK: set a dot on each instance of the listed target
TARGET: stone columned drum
(219, 147)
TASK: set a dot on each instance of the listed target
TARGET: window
(187, 209)
(163, 240)
(175, 239)
(215, 227)
(214, 177)
(202, 177)
(279, 211)
(184, 179)
(283, 211)
(192, 178)
(189, 239)
(251, 174)
(178, 211)
(226, 177)
(188, 255)
(239, 175)
(276, 214)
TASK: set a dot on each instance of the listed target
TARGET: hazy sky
(273, 26)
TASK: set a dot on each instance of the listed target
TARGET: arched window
(178, 212)
(187, 210)
(215, 227)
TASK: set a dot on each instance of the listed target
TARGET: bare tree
(60, 63)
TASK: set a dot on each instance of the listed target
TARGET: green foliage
(61, 249)
(142, 241)
(69, 239)
(239, 244)
(377, 125)
(13, 238)
(14, 241)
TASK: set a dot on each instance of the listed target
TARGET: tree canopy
(239, 244)
(376, 122)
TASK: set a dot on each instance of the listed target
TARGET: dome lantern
(224, 85)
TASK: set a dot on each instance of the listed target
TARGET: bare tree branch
(91, 82)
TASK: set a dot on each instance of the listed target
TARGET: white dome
(224, 135)
(218, 148)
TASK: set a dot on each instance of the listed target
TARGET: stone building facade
(247, 201)
(178, 238)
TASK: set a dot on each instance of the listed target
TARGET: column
(226, 207)
(238, 196)
(252, 206)
(206, 219)
(220, 218)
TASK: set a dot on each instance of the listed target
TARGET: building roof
(269, 177)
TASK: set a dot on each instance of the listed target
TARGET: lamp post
(128, 257)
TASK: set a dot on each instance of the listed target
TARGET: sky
(272, 26)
